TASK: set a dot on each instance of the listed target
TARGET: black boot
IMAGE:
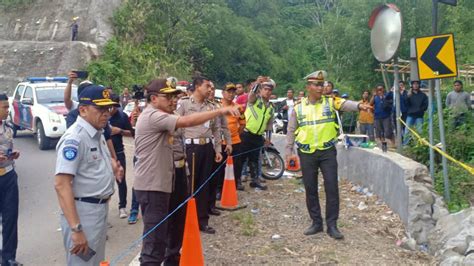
(313, 229)
(239, 186)
(334, 232)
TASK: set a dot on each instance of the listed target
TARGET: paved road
(40, 241)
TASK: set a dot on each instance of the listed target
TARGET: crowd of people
(379, 124)
(181, 136)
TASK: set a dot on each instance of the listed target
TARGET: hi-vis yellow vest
(317, 127)
(257, 116)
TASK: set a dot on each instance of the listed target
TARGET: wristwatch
(77, 228)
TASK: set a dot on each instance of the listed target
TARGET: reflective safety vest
(257, 116)
(317, 129)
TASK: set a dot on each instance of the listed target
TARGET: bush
(459, 145)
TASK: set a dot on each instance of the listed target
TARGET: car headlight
(54, 118)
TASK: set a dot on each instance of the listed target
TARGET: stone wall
(402, 183)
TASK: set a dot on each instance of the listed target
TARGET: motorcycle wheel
(273, 165)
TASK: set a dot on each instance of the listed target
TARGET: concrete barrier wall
(403, 184)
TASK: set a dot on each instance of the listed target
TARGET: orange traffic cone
(191, 252)
(104, 263)
(229, 193)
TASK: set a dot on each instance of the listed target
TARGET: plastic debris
(424, 247)
(362, 206)
(299, 190)
(255, 210)
(275, 237)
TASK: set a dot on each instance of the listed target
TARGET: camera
(138, 93)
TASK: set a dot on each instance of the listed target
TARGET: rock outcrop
(35, 40)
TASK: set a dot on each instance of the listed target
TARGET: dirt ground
(270, 231)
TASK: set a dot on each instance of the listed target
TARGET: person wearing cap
(84, 178)
(417, 104)
(226, 146)
(9, 198)
(155, 168)
(181, 191)
(312, 128)
(259, 121)
(121, 126)
(235, 125)
(73, 109)
(203, 145)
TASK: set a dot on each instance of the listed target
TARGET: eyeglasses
(169, 97)
(103, 109)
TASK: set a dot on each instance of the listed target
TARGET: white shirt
(291, 105)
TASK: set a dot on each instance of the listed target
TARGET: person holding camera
(154, 168)
(259, 120)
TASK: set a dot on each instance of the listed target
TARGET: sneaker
(123, 213)
(133, 218)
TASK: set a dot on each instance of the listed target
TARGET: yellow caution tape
(469, 168)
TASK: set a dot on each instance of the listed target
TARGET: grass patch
(246, 222)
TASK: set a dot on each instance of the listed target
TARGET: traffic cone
(229, 199)
(191, 252)
(104, 263)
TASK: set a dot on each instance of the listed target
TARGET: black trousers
(326, 160)
(204, 159)
(218, 181)
(122, 186)
(155, 205)
(9, 212)
(177, 220)
(250, 142)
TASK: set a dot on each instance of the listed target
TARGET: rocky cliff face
(36, 40)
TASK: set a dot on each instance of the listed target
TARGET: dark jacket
(284, 113)
(417, 104)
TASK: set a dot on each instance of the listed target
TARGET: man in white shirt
(287, 108)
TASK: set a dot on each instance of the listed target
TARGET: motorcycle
(273, 165)
(278, 123)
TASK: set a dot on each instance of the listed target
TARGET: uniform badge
(106, 94)
(70, 153)
(170, 140)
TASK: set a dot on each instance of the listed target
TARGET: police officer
(259, 119)
(8, 187)
(204, 142)
(84, 180)
(312, 128)
(224, 137)
(154, 168)
(181, 191)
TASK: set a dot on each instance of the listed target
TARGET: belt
(180, 163)
(199, 141)
(5, 170)
(93, 200)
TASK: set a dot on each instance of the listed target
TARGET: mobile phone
(90, 254)
(81, 74)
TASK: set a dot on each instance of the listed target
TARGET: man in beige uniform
(154, 168)
(200, 145)
(221, 122)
